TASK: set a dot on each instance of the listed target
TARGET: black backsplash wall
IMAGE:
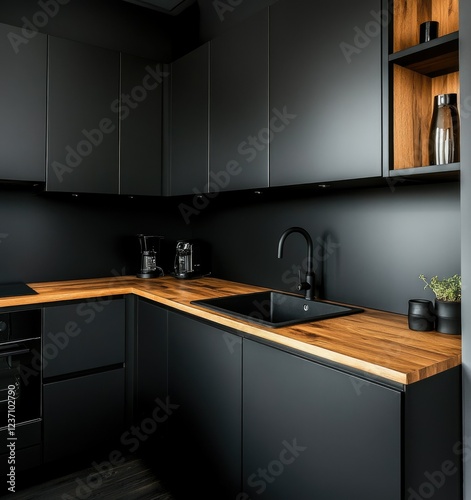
(47, 237)
(370, 244)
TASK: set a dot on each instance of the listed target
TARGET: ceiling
(172, 7)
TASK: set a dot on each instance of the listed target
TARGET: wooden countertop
(375, 342)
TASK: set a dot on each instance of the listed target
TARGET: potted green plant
(447, 302)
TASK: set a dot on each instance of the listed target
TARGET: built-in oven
(20, 388)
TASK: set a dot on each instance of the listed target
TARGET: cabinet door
(23, 104)
(83, 336)
(325, 83)
(82, 118)
(188, 173)
(151, 357)
(239, 125)
(205, 429)
(313, 432)
(80, 414)
(141, 126)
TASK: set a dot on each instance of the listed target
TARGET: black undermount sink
(275, 309)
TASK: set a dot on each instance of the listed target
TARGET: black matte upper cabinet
(189, 115)
(23, 57)
(141, 126)
(239, 118)
(205, 369)
(325, 91)
(83, 106)
(311, 431)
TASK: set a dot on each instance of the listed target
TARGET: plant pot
(448, 317)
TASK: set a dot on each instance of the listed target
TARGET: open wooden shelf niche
(413, 92)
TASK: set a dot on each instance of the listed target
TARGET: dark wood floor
(135, 479)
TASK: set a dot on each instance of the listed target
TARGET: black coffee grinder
(150, 250)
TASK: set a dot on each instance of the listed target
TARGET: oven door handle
(15, 350)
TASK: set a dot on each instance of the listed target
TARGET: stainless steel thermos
(445, 131)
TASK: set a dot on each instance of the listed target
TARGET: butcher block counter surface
(375, 342)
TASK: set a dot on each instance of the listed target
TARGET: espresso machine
(191, 259)
(150, 251)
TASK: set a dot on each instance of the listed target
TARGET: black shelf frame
(435, 58)
(450, 171)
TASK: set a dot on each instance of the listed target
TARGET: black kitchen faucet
(307, 285)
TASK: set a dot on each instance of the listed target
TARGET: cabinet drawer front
(83, 412)
(83, 336)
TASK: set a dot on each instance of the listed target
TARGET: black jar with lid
(421, 315)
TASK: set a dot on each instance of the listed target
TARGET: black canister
(428, 31)
(444, 147)
(421, 315)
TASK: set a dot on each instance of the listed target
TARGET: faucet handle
(302, 285)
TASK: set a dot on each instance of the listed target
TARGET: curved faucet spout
(308, 285)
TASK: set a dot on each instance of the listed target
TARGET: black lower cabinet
(83, 413)
(205, 370)
(151, 365)
(433, 439)
(83, 336)
(84, 377)
(310, 431)
(313, 432)
(239, 418)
